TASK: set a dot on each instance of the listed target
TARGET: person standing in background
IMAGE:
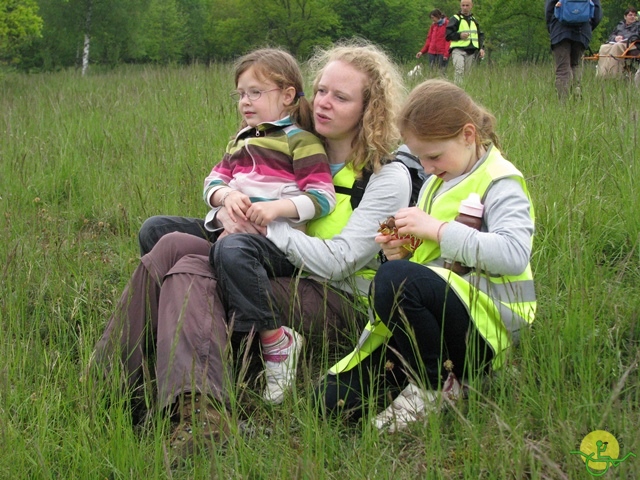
(466, 39)
(436, 46)
(568, 43)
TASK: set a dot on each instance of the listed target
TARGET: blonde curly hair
(378, 134)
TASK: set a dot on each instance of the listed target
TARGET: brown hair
(378, 134)
(279, 67)
(438, 110)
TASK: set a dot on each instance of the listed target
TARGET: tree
(19, 24)
(194, 13)
(398, 25)
(515, 30)
(165, 27)
(296, 25)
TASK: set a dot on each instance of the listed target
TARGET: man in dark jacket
(466, 39)
(568, 43)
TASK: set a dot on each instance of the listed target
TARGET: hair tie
(299, 94)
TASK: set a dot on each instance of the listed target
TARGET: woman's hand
(236, 204)
(235, 226)
(392, 247)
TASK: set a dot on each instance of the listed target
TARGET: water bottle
(470, 214)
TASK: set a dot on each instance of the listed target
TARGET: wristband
(224, 197)
(440, 230)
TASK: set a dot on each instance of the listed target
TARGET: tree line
(43, 35)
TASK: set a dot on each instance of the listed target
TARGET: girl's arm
(312, 175)
(220, 176)
(505, 247)
(354, 247)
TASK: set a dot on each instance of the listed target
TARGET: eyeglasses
(251, 94)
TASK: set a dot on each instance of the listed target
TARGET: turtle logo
(599, 451)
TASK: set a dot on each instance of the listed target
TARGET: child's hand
(388, 227)
(237, 203)
(263, 213)
(414, 221)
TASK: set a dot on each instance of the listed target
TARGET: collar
(264, 126)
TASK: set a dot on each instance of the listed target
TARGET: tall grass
(85, 160)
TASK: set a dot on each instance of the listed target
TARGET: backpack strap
(411, 162)
(356, 191)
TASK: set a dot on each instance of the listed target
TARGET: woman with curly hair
(182, 303)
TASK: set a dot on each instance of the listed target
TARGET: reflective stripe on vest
(500, 306)
(466, 27)
(375, 333)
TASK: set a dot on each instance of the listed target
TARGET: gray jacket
(628, 32)
(335, 260)
(576, 33)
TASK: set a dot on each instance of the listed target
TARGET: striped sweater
(277, 160)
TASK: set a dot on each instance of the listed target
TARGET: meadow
(83, 161)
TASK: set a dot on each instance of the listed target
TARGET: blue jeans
(156, 227)
(436, 60)
(429, 324)
(244, 263)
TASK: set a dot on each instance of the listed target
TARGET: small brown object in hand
(388, 227)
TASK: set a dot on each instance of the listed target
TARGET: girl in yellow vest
(444, 327)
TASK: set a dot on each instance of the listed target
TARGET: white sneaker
(280, 376)
(411, 405)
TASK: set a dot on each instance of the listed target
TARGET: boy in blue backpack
(570, 37)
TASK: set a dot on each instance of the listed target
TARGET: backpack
(418, 176)
(574, 12)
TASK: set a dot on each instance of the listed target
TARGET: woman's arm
(505, 248)
(354, 247)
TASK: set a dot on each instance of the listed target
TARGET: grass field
(83, 161)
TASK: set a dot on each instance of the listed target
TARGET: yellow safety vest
(499, 306)
(469, 27)
(330, 225)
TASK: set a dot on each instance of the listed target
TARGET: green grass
(83, 161)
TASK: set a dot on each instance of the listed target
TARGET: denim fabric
(430, 325)
(154, 228)
(378, 377)
(436, 60)
(429, 322)
(244, 263)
